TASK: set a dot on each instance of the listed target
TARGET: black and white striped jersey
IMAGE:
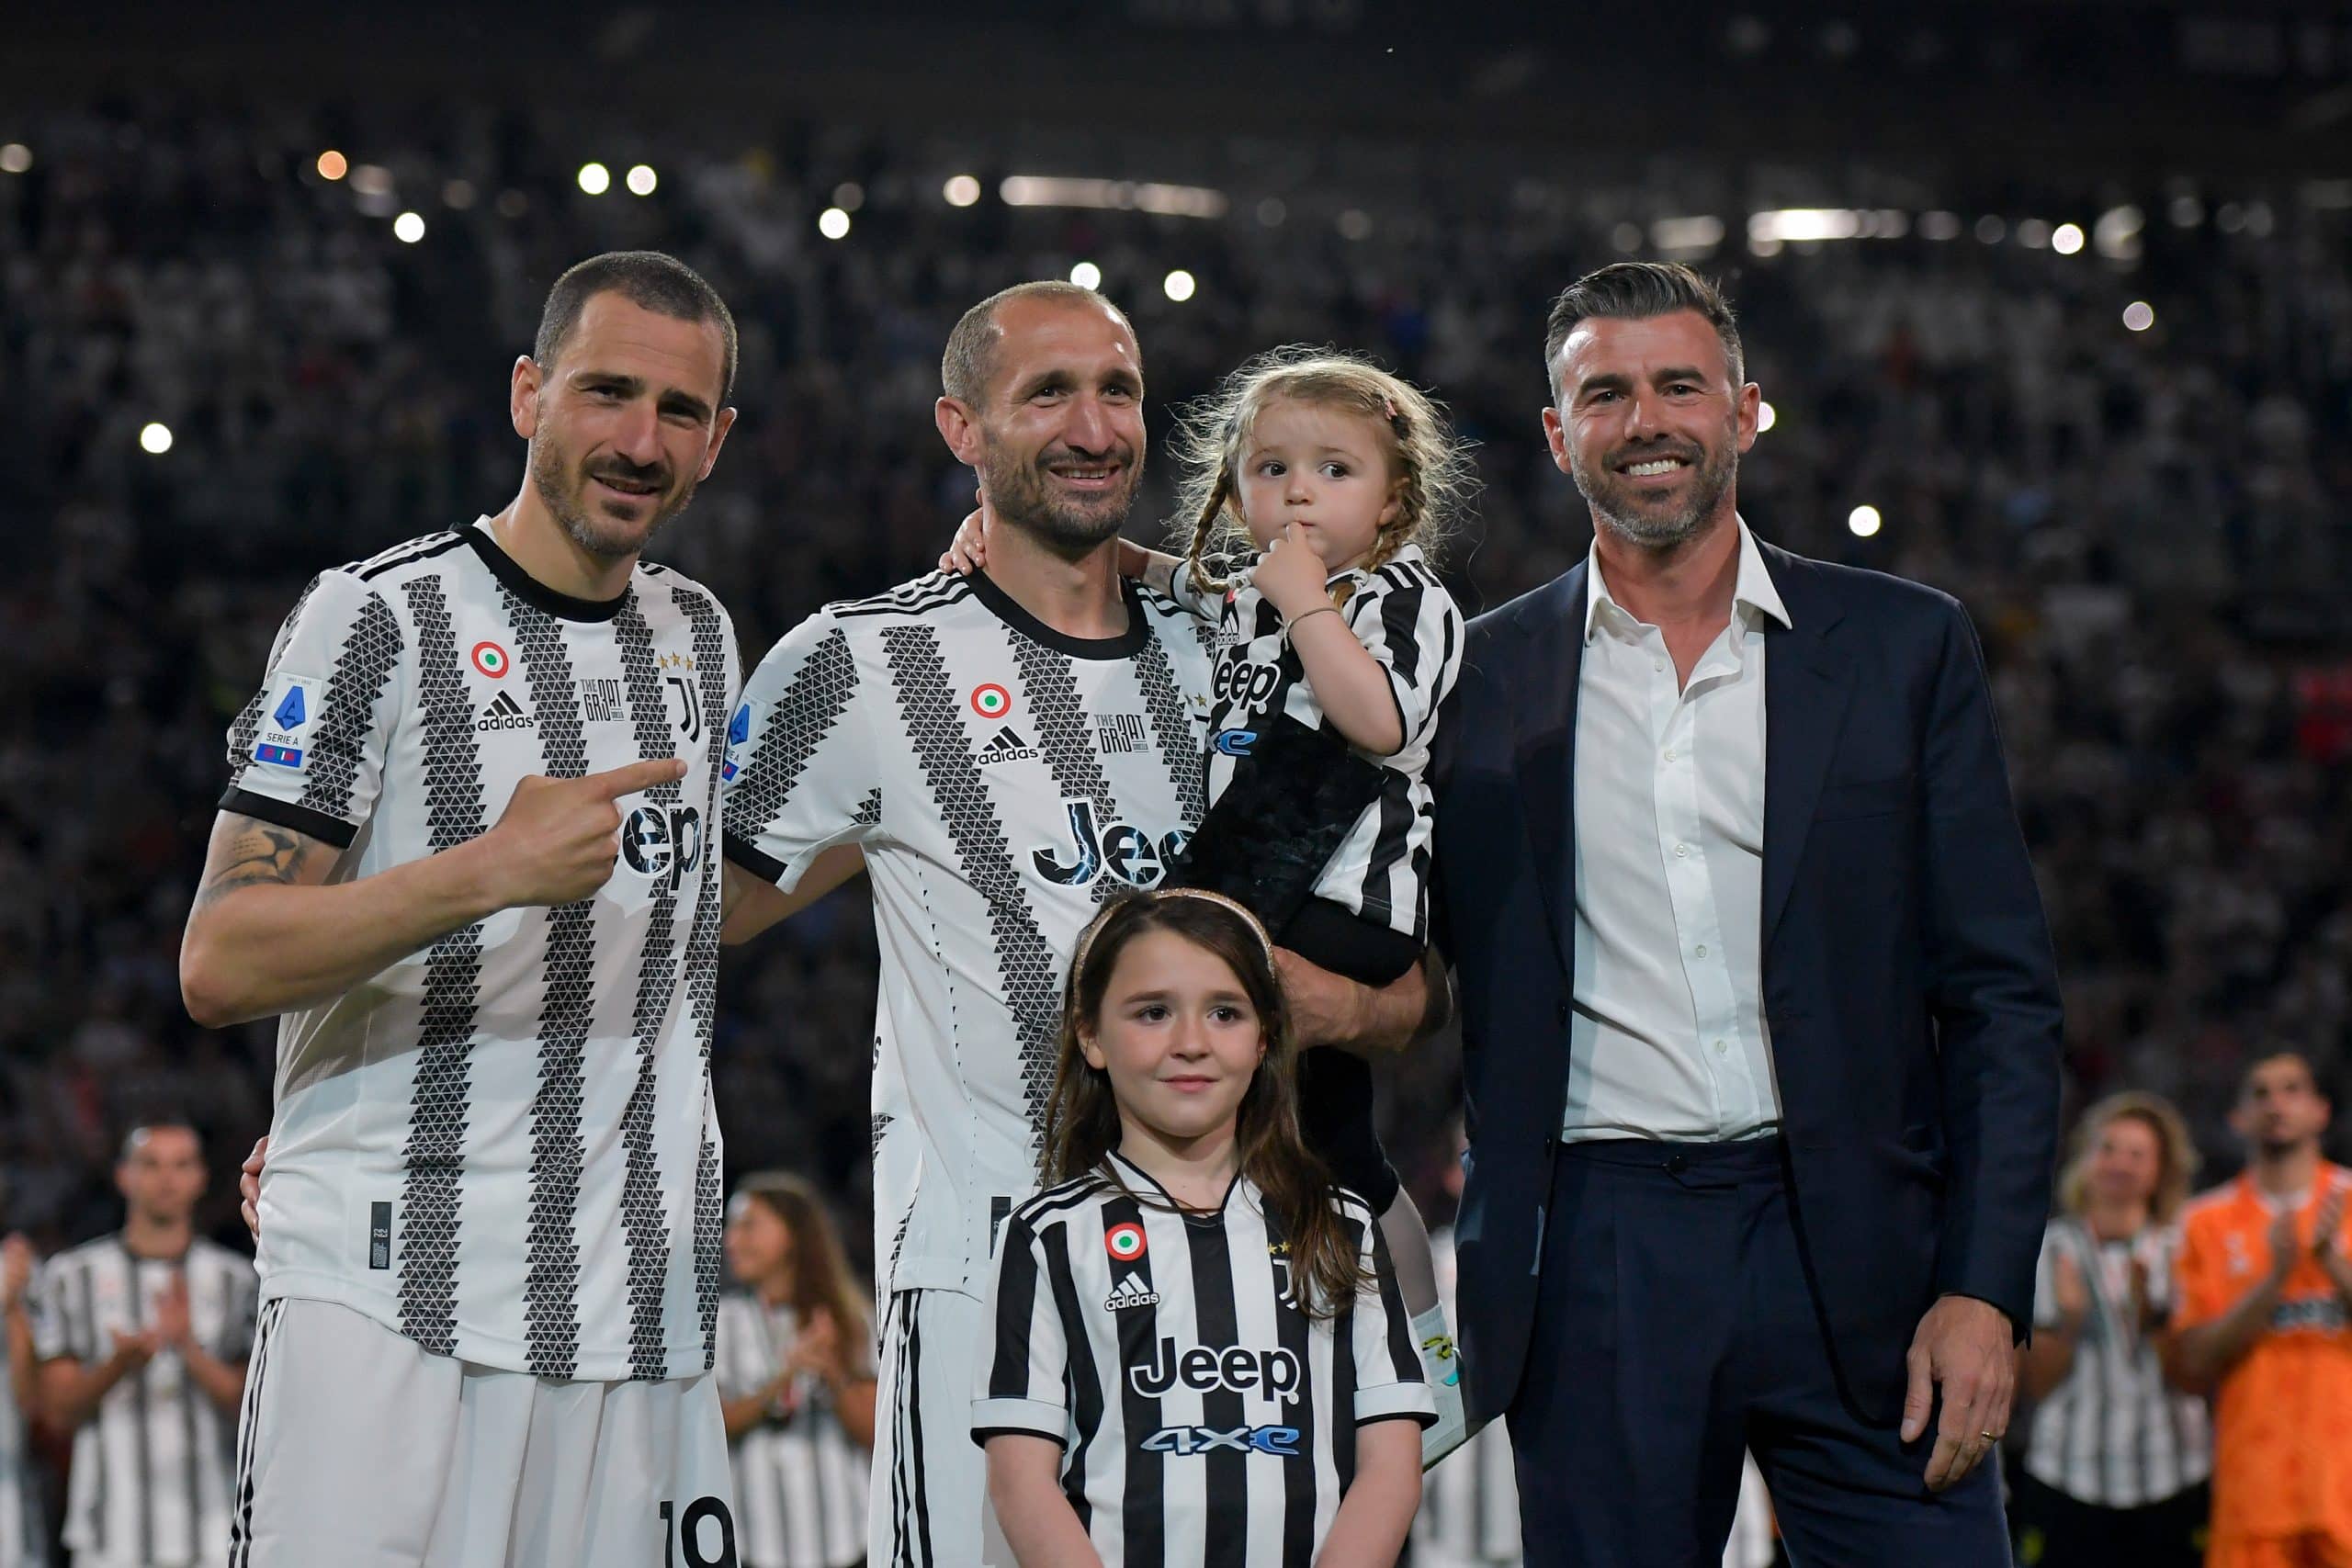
(1003, 780)
(801, 1481)
(1407, 620)
(2115, 1434)
(152, 1467)
(503, 1145)
(1194, 1401)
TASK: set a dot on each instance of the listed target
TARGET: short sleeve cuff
(1393, 1401)
(766, 867)
(1030, 1417)
(319, 825)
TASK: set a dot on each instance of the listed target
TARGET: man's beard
(1022, 494)
(1616, 506)
(562, 489)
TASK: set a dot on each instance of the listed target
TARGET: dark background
(2151, 529)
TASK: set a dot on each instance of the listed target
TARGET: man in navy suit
(1762, 1023)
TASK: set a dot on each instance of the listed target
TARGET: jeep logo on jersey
(662, 841)
(1128, 852)
(1242, 684)
(1236, 1369)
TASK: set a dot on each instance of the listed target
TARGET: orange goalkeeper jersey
(2282, 1417)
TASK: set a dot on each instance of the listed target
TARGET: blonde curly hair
(1429, 467)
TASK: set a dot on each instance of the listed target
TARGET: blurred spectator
(796, 1380)
(2116, 1466)
(24, 1539)
(142, 1336)
(2261, 1322)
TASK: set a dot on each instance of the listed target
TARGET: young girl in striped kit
(1197, 1339)
(1316, 484)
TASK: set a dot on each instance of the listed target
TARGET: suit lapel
(1807, 685)
(1552, 661)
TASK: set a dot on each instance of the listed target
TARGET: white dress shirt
(1667, 1038)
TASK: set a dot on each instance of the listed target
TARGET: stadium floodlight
(1863, 521)
(408, 228)
(961, 190)
(1178, 286)
(1702, 233)
(1086, 274)
(2116, 235)
(2066, 238)
(2139, 316)
(1791, 224)
(2033, 233)
(1991, 229)
(832, 223)
(332, 165)
(1939, 225)
(1160, 199)
(15, 158)
(155, 438)
(595, 179)
(1765, 418)
(849, 196)
(643, 179)
(458, 193)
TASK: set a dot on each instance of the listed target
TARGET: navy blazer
(1907, 974)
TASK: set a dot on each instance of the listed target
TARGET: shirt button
(1720, 1047)
(1702, 950)
(1681, 851)
(1669, 753)
(1658, 665)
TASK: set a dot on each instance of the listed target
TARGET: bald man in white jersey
(1002, 751)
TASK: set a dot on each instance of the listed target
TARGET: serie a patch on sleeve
(292, 708)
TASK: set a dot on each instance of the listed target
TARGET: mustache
(1649, 451)
(632, 473)
(1121, 454)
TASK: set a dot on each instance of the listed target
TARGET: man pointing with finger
(466, 855)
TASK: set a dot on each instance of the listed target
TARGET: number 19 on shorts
(686, 1540)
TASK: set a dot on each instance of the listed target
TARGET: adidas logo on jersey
(1130, 1293)
(1007, 747)
(504, 713)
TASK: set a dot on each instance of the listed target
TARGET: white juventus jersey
(2114, 1434)
(1194, 1401)
(503, 1145)
(1003, 780)
(151, 1468)
(800, 1482)
(23, 1533)
(1407, 620)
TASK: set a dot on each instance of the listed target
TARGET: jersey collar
(1130, 1167)
(529, 589)
(1008, 610)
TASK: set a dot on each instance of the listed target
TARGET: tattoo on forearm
(259, 852)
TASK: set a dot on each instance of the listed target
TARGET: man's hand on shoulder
(1965, 1351)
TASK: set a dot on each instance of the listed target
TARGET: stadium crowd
(2153, 528)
